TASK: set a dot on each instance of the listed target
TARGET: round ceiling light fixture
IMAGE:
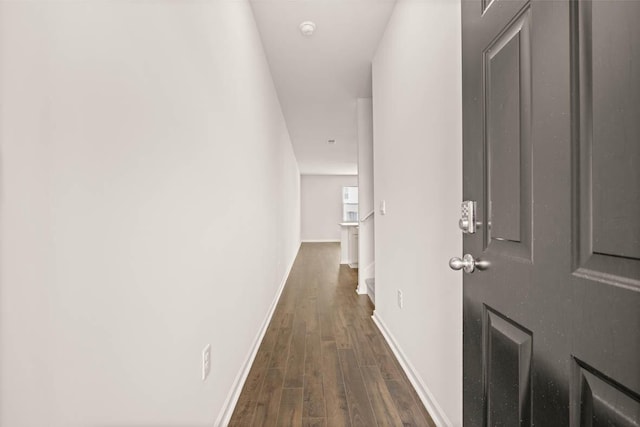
(307, 28)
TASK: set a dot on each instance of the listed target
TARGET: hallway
(322, 361)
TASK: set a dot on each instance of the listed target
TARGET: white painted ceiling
(320, 78)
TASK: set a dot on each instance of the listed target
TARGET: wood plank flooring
(323, 362)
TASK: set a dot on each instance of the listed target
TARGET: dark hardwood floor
(323, 361)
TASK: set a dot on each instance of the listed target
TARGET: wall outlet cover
(400, 299)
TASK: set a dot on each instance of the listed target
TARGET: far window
(350, 204)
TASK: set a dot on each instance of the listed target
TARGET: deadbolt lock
(468, 219)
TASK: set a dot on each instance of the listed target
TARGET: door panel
(601, 401)
(507, 371)
(507, 147)
(615, 109)
(607, 111)
(551, 131)
(503, 137)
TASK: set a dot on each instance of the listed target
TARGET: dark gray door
(552, 156)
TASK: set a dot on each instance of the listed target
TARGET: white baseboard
(372, 294)
(363, 274)
(322, 241)
(232, 399)
(436, 412)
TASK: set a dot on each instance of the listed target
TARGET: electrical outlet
(383, 207)
(206, 362)
(400, 299)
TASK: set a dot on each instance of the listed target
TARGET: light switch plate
(206, 361)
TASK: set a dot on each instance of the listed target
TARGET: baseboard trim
(232, 399)
(363, 275)
(436, 412)
(321, 241)
(371, 293)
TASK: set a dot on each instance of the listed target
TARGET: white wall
(418, 171)
(149, 195)
(366, 253)
(321, 205)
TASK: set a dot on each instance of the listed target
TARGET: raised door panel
(507, 124)
(507, 354)
(616, 128)
(599, 401)
(607, 147)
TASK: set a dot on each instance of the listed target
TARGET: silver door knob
(467, 263)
